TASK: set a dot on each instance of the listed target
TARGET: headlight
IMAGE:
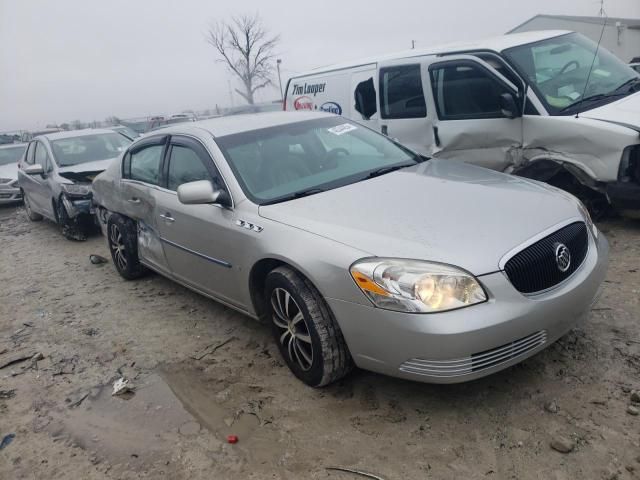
(76, 189)
(587, 219)
(415, 285)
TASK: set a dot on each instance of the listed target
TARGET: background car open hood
(440, 210)
(625, 111)
(9, 171)
(85, 172)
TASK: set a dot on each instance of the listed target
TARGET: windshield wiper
(593, 98)
(385, 170)
(631, 83)
(306, 193)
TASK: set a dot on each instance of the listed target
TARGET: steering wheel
(567, 65)
(329, 160)
(334, 152)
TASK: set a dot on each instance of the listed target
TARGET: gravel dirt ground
(201, 372)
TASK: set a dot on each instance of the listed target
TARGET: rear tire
(122, 235)
(305, 330)
(31, 215)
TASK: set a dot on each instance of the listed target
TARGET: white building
(621, 35)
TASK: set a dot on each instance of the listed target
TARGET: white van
(515, 103)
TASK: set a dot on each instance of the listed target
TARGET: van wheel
(304, 329)
(31, 215)
(596, 203)
(122, 235)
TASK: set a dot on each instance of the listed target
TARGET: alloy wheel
(294, 336)
(117, 247)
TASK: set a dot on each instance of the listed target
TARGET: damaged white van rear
(548, 105)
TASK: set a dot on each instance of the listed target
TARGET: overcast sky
(77, 59)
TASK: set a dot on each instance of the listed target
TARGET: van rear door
(475, 120)
(403, 108)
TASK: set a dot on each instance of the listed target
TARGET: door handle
(167, 216)
(134, 200)
(436, 136)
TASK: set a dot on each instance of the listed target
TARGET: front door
(403, 108)
(198, 240)
(471, 124)
(40, 190)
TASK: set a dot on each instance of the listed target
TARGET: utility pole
(278, 62)
(413, 44)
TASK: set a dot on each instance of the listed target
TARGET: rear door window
(401, 93)
(144, 165)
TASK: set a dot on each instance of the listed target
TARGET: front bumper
(9, 194)
(472, 342)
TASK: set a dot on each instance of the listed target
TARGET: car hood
(440, 210)
(9, 171)
(625, 111)
(85, 172)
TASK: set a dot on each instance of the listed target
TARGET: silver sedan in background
(355, 249)
(9, 156)
(56, 171)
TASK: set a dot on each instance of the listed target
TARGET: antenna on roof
(603, 14)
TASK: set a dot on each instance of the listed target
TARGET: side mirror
(508, 106)
(34, 169)
(202, 192)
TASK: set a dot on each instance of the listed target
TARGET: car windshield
(88, 148)
(558, 68)
(298, 159)
(10, 155)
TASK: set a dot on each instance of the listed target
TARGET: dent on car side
(440, 211)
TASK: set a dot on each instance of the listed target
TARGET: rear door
(199, 240)
(469, 122)
(140, 185)
(402, 104)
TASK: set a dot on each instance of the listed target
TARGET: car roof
(496, 44)
(12, 145)
(75, 133)
(221, 126)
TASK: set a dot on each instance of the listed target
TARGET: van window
(365, 99)
(463, 90)
(401, 94)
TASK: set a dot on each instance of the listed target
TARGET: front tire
(122, 235)
(304, 329)
(31, 215)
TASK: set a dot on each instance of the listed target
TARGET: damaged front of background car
(56, 172)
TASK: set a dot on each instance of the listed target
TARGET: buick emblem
(563, 257)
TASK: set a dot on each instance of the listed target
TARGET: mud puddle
(139, 429)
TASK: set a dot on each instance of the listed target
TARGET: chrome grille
(477, 361)
(535, 268)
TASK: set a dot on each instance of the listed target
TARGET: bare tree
(247, 48)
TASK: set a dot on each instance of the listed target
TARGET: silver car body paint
(10, 190)
(44, 190)
(438, 210)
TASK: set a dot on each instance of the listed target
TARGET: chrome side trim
(197, 254)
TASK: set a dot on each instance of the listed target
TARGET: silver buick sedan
(355, 249)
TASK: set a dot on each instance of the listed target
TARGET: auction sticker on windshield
(341, 129)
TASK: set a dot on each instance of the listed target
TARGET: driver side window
(42, 157)
(465, 91)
